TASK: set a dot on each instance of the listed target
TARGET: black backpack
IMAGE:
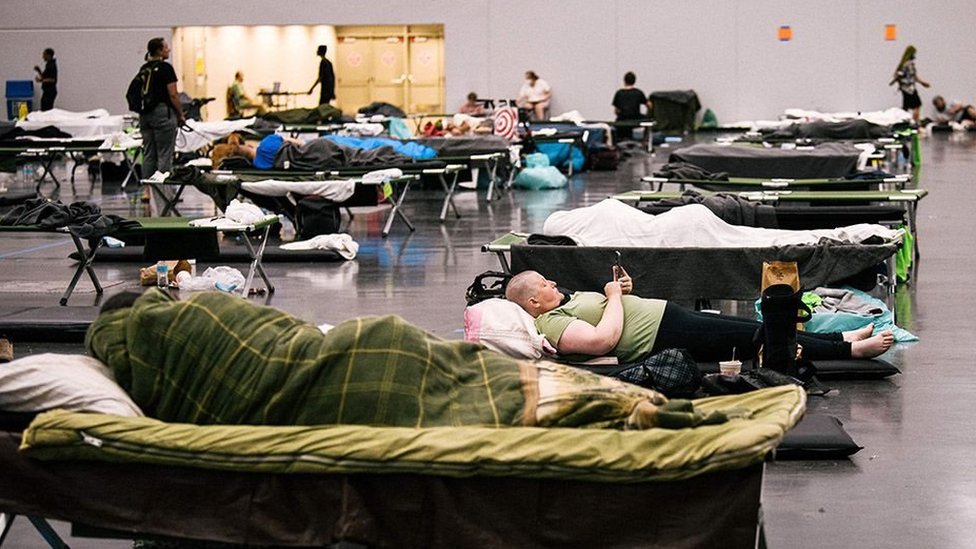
(141, 96)
(487, 285)
(315, 216)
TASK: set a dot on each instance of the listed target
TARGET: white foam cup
(730, 368)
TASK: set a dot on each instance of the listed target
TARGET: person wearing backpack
(161, 112)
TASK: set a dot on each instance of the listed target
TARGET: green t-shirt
(642, 317)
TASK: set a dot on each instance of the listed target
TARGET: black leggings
(710, 337)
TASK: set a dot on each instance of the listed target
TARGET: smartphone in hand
(617, 270)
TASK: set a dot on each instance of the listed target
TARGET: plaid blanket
(217, 359)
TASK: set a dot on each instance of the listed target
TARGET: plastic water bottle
(29, 173)
(162, 274)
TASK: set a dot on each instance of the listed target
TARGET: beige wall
(209, 57)
(726, 50)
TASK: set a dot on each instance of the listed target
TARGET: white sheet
(96, 124)
(613, 223)
(61, 114)
(205, 133)
(335, 190)
(798, 116)
(341, 243)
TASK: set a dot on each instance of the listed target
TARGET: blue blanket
(406, 148)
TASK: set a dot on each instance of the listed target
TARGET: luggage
(316, 216)
(606, 158)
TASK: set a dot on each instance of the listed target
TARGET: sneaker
(6, 350)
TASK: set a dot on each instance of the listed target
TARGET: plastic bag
(540, 178)
(222, 278)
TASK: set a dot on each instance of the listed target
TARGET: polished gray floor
(914, 483)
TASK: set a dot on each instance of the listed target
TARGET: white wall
(227, 49)
(725, 50)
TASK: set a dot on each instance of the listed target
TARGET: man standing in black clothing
(326, 78)
(48, 79)
(627, 104)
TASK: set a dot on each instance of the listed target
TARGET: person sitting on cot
(590, 324)
(534, 95)
(215, 358)
(472, 107)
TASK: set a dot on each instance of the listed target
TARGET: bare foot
(859, 334)
(872, 346)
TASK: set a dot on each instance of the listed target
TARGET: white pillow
(503, 326)
(79, 383)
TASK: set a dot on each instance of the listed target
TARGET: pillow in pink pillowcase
(503, 326)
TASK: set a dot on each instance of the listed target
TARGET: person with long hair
(906, 77)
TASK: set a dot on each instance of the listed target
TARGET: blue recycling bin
(20, 94)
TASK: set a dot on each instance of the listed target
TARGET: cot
(781, 183)
(909, 199)
(703, 273)
(166, 238)
(93, 124)
(442, 487)
(223, 185)
(47, 151)
(826, 160)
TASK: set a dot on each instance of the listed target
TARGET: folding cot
(476, 151)
(826, 160)
(909, 199)
(291, 183)
(654, 269)
(891, 136)
(164, 238)
(47, 151)
(443, 487)
(781, 183)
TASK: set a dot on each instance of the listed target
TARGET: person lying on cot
(632, 328)
(276, 152)
(216, 359)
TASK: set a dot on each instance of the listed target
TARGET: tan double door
(402, 66)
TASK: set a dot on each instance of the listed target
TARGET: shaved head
(521, 287)
(533, 292)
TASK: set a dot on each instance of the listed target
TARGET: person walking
(326, 78)
(906, 76)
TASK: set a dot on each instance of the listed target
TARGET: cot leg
(449, 199)
(170, 204)
(85, 265)
(50, 536)
(493, 190)
(503, 261)
(912, 219)
(256, 266)
(396, 211)
(6, 521)
(130, 162)
(48, 160)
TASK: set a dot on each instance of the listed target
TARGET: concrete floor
(914, 483)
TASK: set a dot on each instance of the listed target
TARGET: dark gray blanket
(822, 161)
(728, 207)
(465, 144)
(322, 154)
(820, 129)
